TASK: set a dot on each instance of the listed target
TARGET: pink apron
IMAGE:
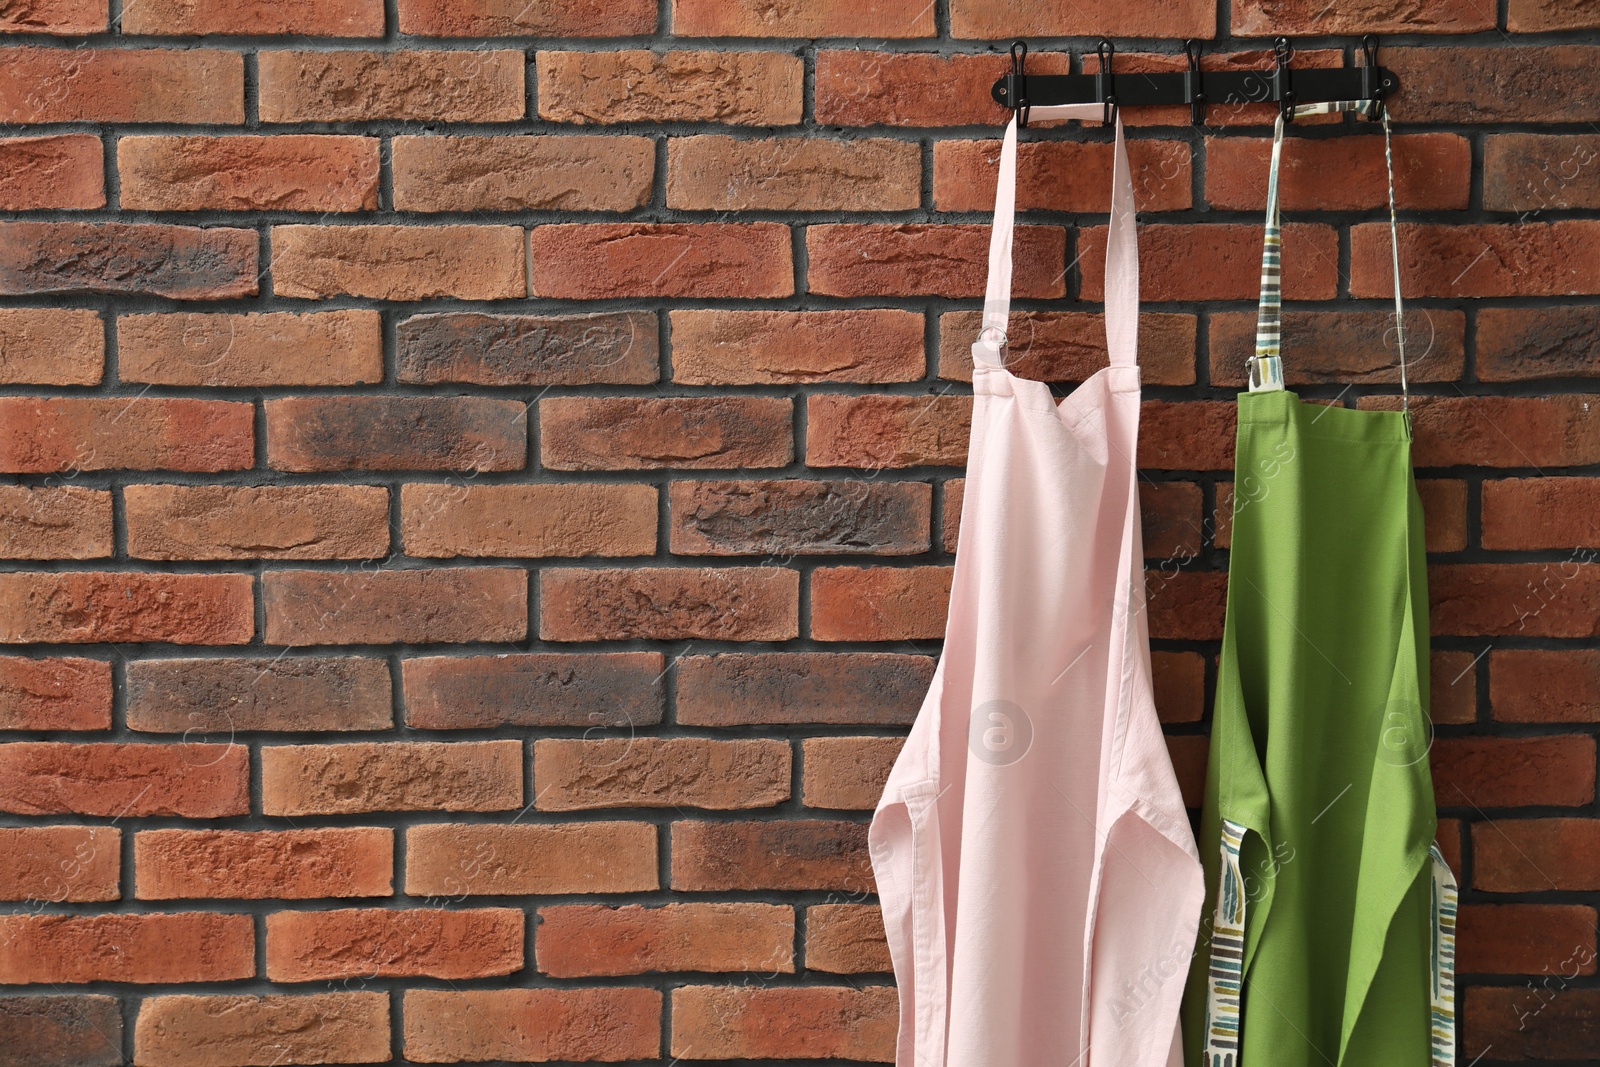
(1040, 885)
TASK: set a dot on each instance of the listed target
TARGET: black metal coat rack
(1199, 89)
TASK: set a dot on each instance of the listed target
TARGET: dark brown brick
(1524, 344)
(644, 433)
(1537, 939)
(1537, 172)
(610, 348)
(1500, 431)
(1347, 347)
(764, 855)
(1494, 84)
(591, 689)
(669, 603)
(388, 607)
(1506, 772)
(61, 1031)
(212, 698)
(1553, 513)
(769, 688)
(1544, 685)
(336, 433)
(1532, 1022)
(144, 258)
(794, 517)
(1558, 599)
(1536, 855)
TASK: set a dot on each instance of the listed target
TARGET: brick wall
(482, 480)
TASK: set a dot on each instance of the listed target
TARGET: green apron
(1328, 937)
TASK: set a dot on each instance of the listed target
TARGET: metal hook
(1018, 93)
(1193, 87)
(1282, 52)
(1104, 84)
(1372, 83)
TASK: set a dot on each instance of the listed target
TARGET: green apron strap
(1266, 366)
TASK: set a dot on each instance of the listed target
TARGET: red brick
(540, 18)
(1318, 18)
(1345, 347)
(574, 774)
(790, 517)
(1494, 84)
(532, 1025)
(1510, 259)
(256, 522)
(846, 939)
(875, 432)
(819, 18)
(1064, 18)
(288, 172)
(423, 85)
(391, 776)
(54, 864)
(1187, 435)
(584, 940)
(456, 861)
(1531, 16)
(305, 946)
(61, 1031)
(669, 604)
(1061, 175)
(83, 433)
(1524, 938)
(717, 347)
(253, 349)
(100, 606)
(183, 1031)
(1524, 344)
(1500, 431)
(846, 772)
(599, 260)
(1186, 605)
(68, 693)
(1521, 1022)
(822, 1022)
(1218, 262)
(1541, 513)
(216, 697)
(264, 865)
(1558, 599)
(392, 607)
(65, 17)
(1536, 855)
(1444, 511)
(774, 854)
(717, 173)
(1189, 753)
(1432, 171)
(1454, 687)
(52, 346)
(1541, 685)
(872, 87)
(256, 18)
(879, 603)
(60, 171)
(732, 88)
(617, 347)
(399, 262)
(548, 172)
(1535, 172)
(54, 522)
(738, 689)
(677, 432)
(181, 85)
(1069, 346)
(337, 433)
(1448, 838)
(1505, 772)
(589, 689)
(1172, 520)
(1180, 689)
(195, 780)
(155, 948)
(144, 258)
(441, 520)
(927, 259)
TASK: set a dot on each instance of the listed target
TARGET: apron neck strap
(1266, 366)
(1122, 247)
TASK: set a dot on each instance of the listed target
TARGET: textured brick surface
(339, 1027)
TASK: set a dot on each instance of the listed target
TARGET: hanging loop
(1017, 82)
(1105, 87)
(1193, 87)
(1283, 89)
(1373, 86)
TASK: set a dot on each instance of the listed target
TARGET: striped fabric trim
(1226, 973)
(1266, 366)
(1444, 958)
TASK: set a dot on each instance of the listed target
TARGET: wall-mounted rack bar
(1199, 89)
